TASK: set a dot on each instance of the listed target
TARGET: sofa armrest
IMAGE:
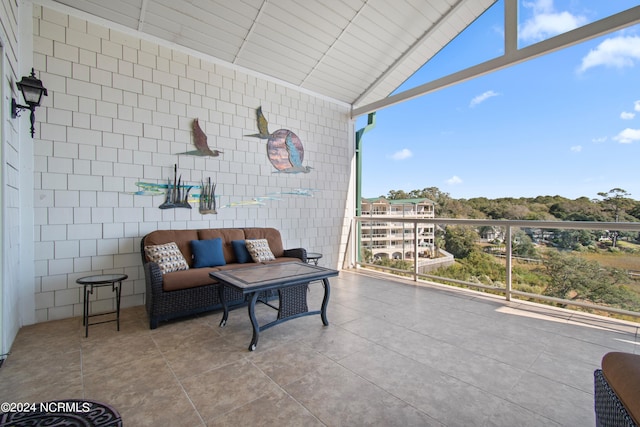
(610, 412)
(300, 253)
(622, 373)
(153, 278)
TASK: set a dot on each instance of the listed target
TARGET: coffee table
(290, 279)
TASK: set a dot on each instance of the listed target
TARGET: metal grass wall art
(208, 198)
(177, 194)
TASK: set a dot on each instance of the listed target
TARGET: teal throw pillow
(240, 249)
(207, 253)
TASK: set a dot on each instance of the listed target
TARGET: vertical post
(403, 233)
(508, 266)
(415, 250)
(510, 27)
(371, 122)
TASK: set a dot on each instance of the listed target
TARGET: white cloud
(599, 140)
(539, 6)
(576, 148)
(481, 98)
(625, 115)
(454, 180)
(546, 22)
(636, 106)
(616, 52)
(405, 153)
(628, 136)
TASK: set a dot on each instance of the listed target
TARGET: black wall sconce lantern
(32, 91)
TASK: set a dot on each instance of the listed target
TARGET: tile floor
(394, 354)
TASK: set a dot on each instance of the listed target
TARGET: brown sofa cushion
(182, 238)
(622, 372)
(271, 234)
(186, 279)
(227, 235)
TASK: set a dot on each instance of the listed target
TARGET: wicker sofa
(617, 390)
(173, 294)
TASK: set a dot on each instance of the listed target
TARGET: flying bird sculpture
(263, 126)
(200, 141)
(295, 157)
(284, 148)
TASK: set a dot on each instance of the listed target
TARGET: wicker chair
(617, 383)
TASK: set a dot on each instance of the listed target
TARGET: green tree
(397, 195)
(616, 201)
(634, 211)
(581, 209)
(522, 245)
(367, 255)
(573, 239)
(460, 240)
(575, 278)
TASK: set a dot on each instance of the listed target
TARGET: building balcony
(406, 214)
(396, 353)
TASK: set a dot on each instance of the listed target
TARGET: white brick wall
(120, 109)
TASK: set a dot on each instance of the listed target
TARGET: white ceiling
(355, 51)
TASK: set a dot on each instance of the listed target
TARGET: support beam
(570, 38)
(429, 33)
(143, 11)
(510, 26)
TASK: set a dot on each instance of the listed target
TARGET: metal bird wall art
(263, 125)
(284, 148)
(200, 141)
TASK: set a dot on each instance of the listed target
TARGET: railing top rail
(578, 225)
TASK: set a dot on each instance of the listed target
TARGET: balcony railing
(508, 227)
(413, 214)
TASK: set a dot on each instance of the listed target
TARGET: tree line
(614, 205)
(560, 273)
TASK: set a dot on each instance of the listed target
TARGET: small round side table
(313, 257)
(90, 282)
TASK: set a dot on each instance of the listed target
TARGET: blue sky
(565, 124)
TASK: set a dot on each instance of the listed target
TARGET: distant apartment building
(395, 240)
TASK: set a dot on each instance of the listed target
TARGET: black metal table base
(91, 282)
(292, 304)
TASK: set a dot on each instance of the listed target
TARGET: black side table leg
(118, 289)
(88, 289)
